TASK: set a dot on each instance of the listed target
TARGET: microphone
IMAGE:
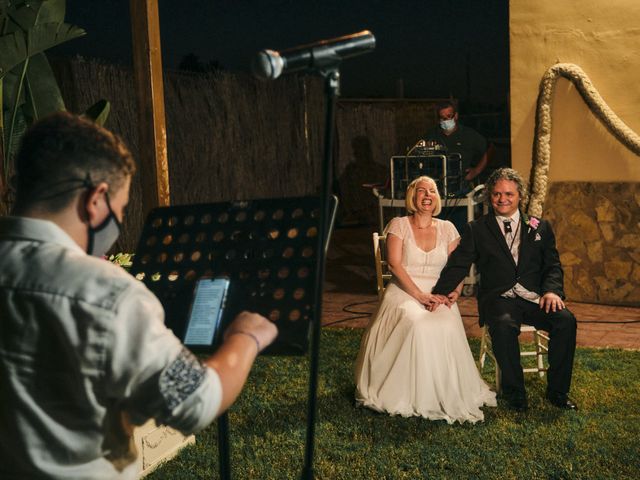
(269, 64)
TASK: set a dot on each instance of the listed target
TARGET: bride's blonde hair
(409, 199)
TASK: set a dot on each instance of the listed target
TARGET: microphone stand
(224, 454)
(332, 91)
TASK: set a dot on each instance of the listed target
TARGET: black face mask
(102, 237)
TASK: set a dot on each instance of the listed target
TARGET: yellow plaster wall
(603, 38)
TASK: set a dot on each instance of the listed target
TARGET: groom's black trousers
(504, 317)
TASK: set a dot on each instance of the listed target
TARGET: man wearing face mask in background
(460, 139)
(84, 352)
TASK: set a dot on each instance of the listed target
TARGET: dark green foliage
(27, 29)
(28, 87)
(267, 425)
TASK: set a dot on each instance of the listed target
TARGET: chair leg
(541, 349)
(483, 349)
(539, 353)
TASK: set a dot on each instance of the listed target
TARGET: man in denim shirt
(84, 352)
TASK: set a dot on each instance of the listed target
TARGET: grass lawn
(267, 427)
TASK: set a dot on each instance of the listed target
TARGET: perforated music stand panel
(267, 248)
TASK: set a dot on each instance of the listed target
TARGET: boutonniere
(532, 223)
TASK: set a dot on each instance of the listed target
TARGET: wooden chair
(382, 267)
(541, 348)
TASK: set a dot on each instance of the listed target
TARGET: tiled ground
(350, 298)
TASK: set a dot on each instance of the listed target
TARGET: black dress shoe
(562, 401)
(518, 403)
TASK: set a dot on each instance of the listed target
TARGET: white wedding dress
(413, 362)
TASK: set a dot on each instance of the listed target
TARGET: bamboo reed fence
(232, 137)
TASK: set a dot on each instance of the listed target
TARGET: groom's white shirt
(514, 243)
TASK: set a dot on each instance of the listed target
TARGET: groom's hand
(551, 302)
(452, 298)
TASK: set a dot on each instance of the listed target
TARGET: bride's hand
(424, 298)
(431, 302)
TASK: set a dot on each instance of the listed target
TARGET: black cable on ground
(341, 321)
(359, 314)
(349, 305)
(621, 322)
(617, 322)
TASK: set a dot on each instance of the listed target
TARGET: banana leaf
(23, 15)
(14, 48)
(1, 126)
(10, 90)
(13, 97)
(29, 89)
(19, 128)
(99, 111)
(43, 94)
(52, 11)
(33, 12)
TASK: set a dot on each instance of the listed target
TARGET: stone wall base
(597, 227)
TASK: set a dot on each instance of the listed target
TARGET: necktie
(507, 228)
(510, 237)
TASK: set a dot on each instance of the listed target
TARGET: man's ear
(94, 203)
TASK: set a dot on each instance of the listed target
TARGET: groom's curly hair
(505, 174)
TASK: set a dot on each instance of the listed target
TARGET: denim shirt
(84, 354)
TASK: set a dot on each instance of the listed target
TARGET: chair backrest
(382, 267)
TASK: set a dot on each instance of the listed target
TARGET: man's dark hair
(506, 174)
(446, 104)
(63, 153)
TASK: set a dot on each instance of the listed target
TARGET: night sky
(450, 47)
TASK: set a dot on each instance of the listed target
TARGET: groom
(521, 282)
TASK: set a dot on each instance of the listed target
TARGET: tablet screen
(206, 311)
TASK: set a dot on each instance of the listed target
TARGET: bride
(414, 358)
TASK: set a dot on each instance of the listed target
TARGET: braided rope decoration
(542, 138)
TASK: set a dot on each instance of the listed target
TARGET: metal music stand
(445, 169)
(269, 249)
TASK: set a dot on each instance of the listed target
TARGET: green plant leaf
(2, 143)
(99, 111)
(11, 101)
(14, 48)
(13, 51)
(24, 14)
(36, 12)
(10, 90)
(4, 9)
(52, 11)
(19, 128)
(42, 92)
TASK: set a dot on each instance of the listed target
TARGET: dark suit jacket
(482, 242)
